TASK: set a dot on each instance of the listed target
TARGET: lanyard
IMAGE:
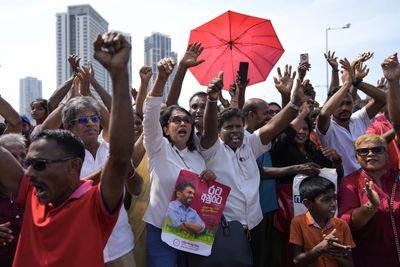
(183, 160)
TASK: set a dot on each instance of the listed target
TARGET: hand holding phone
(243, 71)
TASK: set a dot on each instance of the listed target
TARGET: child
(317, 237)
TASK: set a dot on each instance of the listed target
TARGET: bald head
(255, 111)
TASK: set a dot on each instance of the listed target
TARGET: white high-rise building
(156, 47)
(30, 88)
(76, 31)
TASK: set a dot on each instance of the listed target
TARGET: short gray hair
(75, 104)
(12, 138)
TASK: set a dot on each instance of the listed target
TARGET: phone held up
(304, 58)
(243, 71)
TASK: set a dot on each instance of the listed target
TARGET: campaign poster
(194, 213)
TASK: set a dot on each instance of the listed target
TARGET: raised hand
(233, 92)
(75, 88)
(332, 60)
(84, 79)
(362, 58)
(303, 92)
(360, 71)
(302, 70)
(372, 195)
(165, 67)
(74, 62)
(134, 93)
(348, 72)
(215, 86)
(382, 84)
(145, 73)
(90, 69)
(391, 68)
(284, 83)
(189, 59)
(112, 51)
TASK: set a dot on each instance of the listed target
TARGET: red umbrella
(232, 38)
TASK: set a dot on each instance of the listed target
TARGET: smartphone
(304, 58)
(243, 71)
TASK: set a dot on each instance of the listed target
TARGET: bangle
(333, 70)
(293, 106)
(212, 100)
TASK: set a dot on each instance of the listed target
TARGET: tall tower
(30, 88)
(156, 47)
(76, 31)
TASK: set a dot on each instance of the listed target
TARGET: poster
(194, 213)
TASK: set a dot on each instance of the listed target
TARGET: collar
(81, 190)
(310, 221)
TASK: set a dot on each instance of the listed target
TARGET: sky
(28, 30)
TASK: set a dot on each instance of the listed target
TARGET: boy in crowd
(317, 237)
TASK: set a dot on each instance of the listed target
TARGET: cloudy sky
(27, 40)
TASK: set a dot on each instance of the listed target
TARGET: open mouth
(182, 132)
(40, 191)
(236, 139)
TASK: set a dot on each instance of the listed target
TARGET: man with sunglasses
(338, 126)
(68, 221)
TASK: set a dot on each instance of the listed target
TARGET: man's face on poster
(186, 196)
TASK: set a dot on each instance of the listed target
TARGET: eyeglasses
(179, 119)
(41, 164)
(375, 150)
(84, 120)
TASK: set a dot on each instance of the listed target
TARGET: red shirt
(375, 241)
(73, 234)
(379, 127)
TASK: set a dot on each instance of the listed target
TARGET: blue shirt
(179, 213)
(267, 189)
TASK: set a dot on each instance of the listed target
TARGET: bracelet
(293, 106)
(335, 70)
(211, 100)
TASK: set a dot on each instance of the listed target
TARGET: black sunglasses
(41, 164)
(375, 150)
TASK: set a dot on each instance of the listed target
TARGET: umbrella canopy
(232, 38)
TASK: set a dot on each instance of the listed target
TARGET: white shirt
(342, 140)
(121, 240)
(238, 170)
(165, 163)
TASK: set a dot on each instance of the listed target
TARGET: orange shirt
(73, 234)
(304, 232)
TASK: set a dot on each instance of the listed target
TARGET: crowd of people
(89, 181)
